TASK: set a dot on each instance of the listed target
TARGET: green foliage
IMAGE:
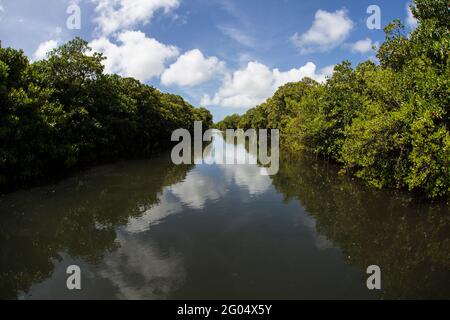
(203, 115)
(64, 112)
(280, 109)
(387, 124)
(230, 122)
(401, 137)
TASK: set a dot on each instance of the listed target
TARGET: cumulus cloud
(244, 88)
(159, 274)
(114, 15)
(137, 55)
(363, 46)
(44, 48)
(191, 69)
(294, 75)
(247, 177)
(411, 21)
(329, 30)
(197, 189)
(252, 85)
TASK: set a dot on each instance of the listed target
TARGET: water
(152, 230)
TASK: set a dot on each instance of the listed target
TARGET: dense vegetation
(387, 123)
(64, 112)
(229, 122)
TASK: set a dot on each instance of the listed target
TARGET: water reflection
(406, 236)
(152, 230)
(79, 218)
(139, 270)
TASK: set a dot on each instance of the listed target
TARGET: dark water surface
(152, 230)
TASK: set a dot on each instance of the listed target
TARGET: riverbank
(386, 122)
(64, 113)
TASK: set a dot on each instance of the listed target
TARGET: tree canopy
(65, 112)
(386, 123)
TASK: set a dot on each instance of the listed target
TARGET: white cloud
(238, 36)
(155, 214)
(252, 85)
(114, 15)
(247, 177)
(244, 88)
(363, 46)
(329, 30)
(137, 56)
(44, 48)
(159, 273)
(326, 72)
(411, 21)
(191, 69)
(198, 189)
(294, 75)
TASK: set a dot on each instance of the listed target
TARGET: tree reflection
(407, 237)
(89, 216)
(78, 216)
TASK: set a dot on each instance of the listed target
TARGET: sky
(225, 55)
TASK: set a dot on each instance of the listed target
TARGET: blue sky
(226, 55)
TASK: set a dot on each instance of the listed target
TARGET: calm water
(152, 230)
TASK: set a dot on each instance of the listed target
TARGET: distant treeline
(64, 112)
(387, 123)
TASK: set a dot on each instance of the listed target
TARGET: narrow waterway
(152, 230)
